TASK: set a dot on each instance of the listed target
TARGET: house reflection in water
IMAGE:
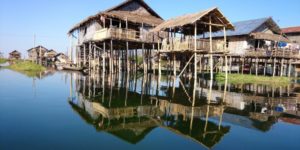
(131, 107)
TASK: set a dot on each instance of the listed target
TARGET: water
(66, 110)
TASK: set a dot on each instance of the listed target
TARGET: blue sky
(50, 20)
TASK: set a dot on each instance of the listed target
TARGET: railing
(177, 44)
(273, 53)
(124, 34)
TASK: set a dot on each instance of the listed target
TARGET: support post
(210, 60)
(256, 66)
(290, 67)
(274, 67)
(195, 53)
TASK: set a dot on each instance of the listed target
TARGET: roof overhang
(270, 37)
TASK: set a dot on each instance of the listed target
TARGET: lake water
(67, 110)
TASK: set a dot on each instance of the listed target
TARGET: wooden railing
(273, 53)
(124, 34)
(177, 44)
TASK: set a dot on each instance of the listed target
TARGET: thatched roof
(114, 12)
(268, 36)
(185, 23)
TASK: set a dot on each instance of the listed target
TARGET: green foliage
(26, 67)
(3, 60)
(244, 79)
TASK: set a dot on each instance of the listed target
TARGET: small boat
(72, 67)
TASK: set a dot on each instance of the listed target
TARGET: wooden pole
(230, 64)
(90, 55)
(84, 55)
(136, 60)
(265, 67)
(243, 65)
(127, 47)
(103, 60)
(274, 67)
(195, 53)
(211, 60)
(281, 67)
(290, 67)
(256, 66)
(174, 64)
(111, 57)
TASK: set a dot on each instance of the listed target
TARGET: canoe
(72, 68)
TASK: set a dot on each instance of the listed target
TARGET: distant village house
(50, 55)
(14, 55)
(37, 53)
(61, 58)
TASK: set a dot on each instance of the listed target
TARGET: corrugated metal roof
(242, 27)
(291, 30)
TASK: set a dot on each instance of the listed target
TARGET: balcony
(203, 45)
(124, 34)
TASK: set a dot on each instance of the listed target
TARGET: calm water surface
(64, 110)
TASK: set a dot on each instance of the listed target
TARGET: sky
(50, 20)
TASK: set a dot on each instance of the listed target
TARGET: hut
(184, 41)
(14, 55)
(50, 55)
(108, 36)
(37, 53)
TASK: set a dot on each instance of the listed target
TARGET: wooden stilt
(90, 55)
(230, 64)
(136, 60)
(195, 53)
(289, 68)
(174, 64)
(111, 68)
(256, 66)
(84, 55)
(281, 67)
(274, 67)
(211, 61)
(103, 59)
(243, 65)
(265, 67)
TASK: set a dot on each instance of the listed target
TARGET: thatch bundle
(185, 23)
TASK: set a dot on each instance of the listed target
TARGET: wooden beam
(187, 64)
(213, 24)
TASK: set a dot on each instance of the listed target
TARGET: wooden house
(61, 58)
(37, 53)
(109, 35)
(50, 55)
(257, 35)
(293, 33)
(14, 55)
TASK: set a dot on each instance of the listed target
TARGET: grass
(3, 60)
(26, 67)
(244, 79)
